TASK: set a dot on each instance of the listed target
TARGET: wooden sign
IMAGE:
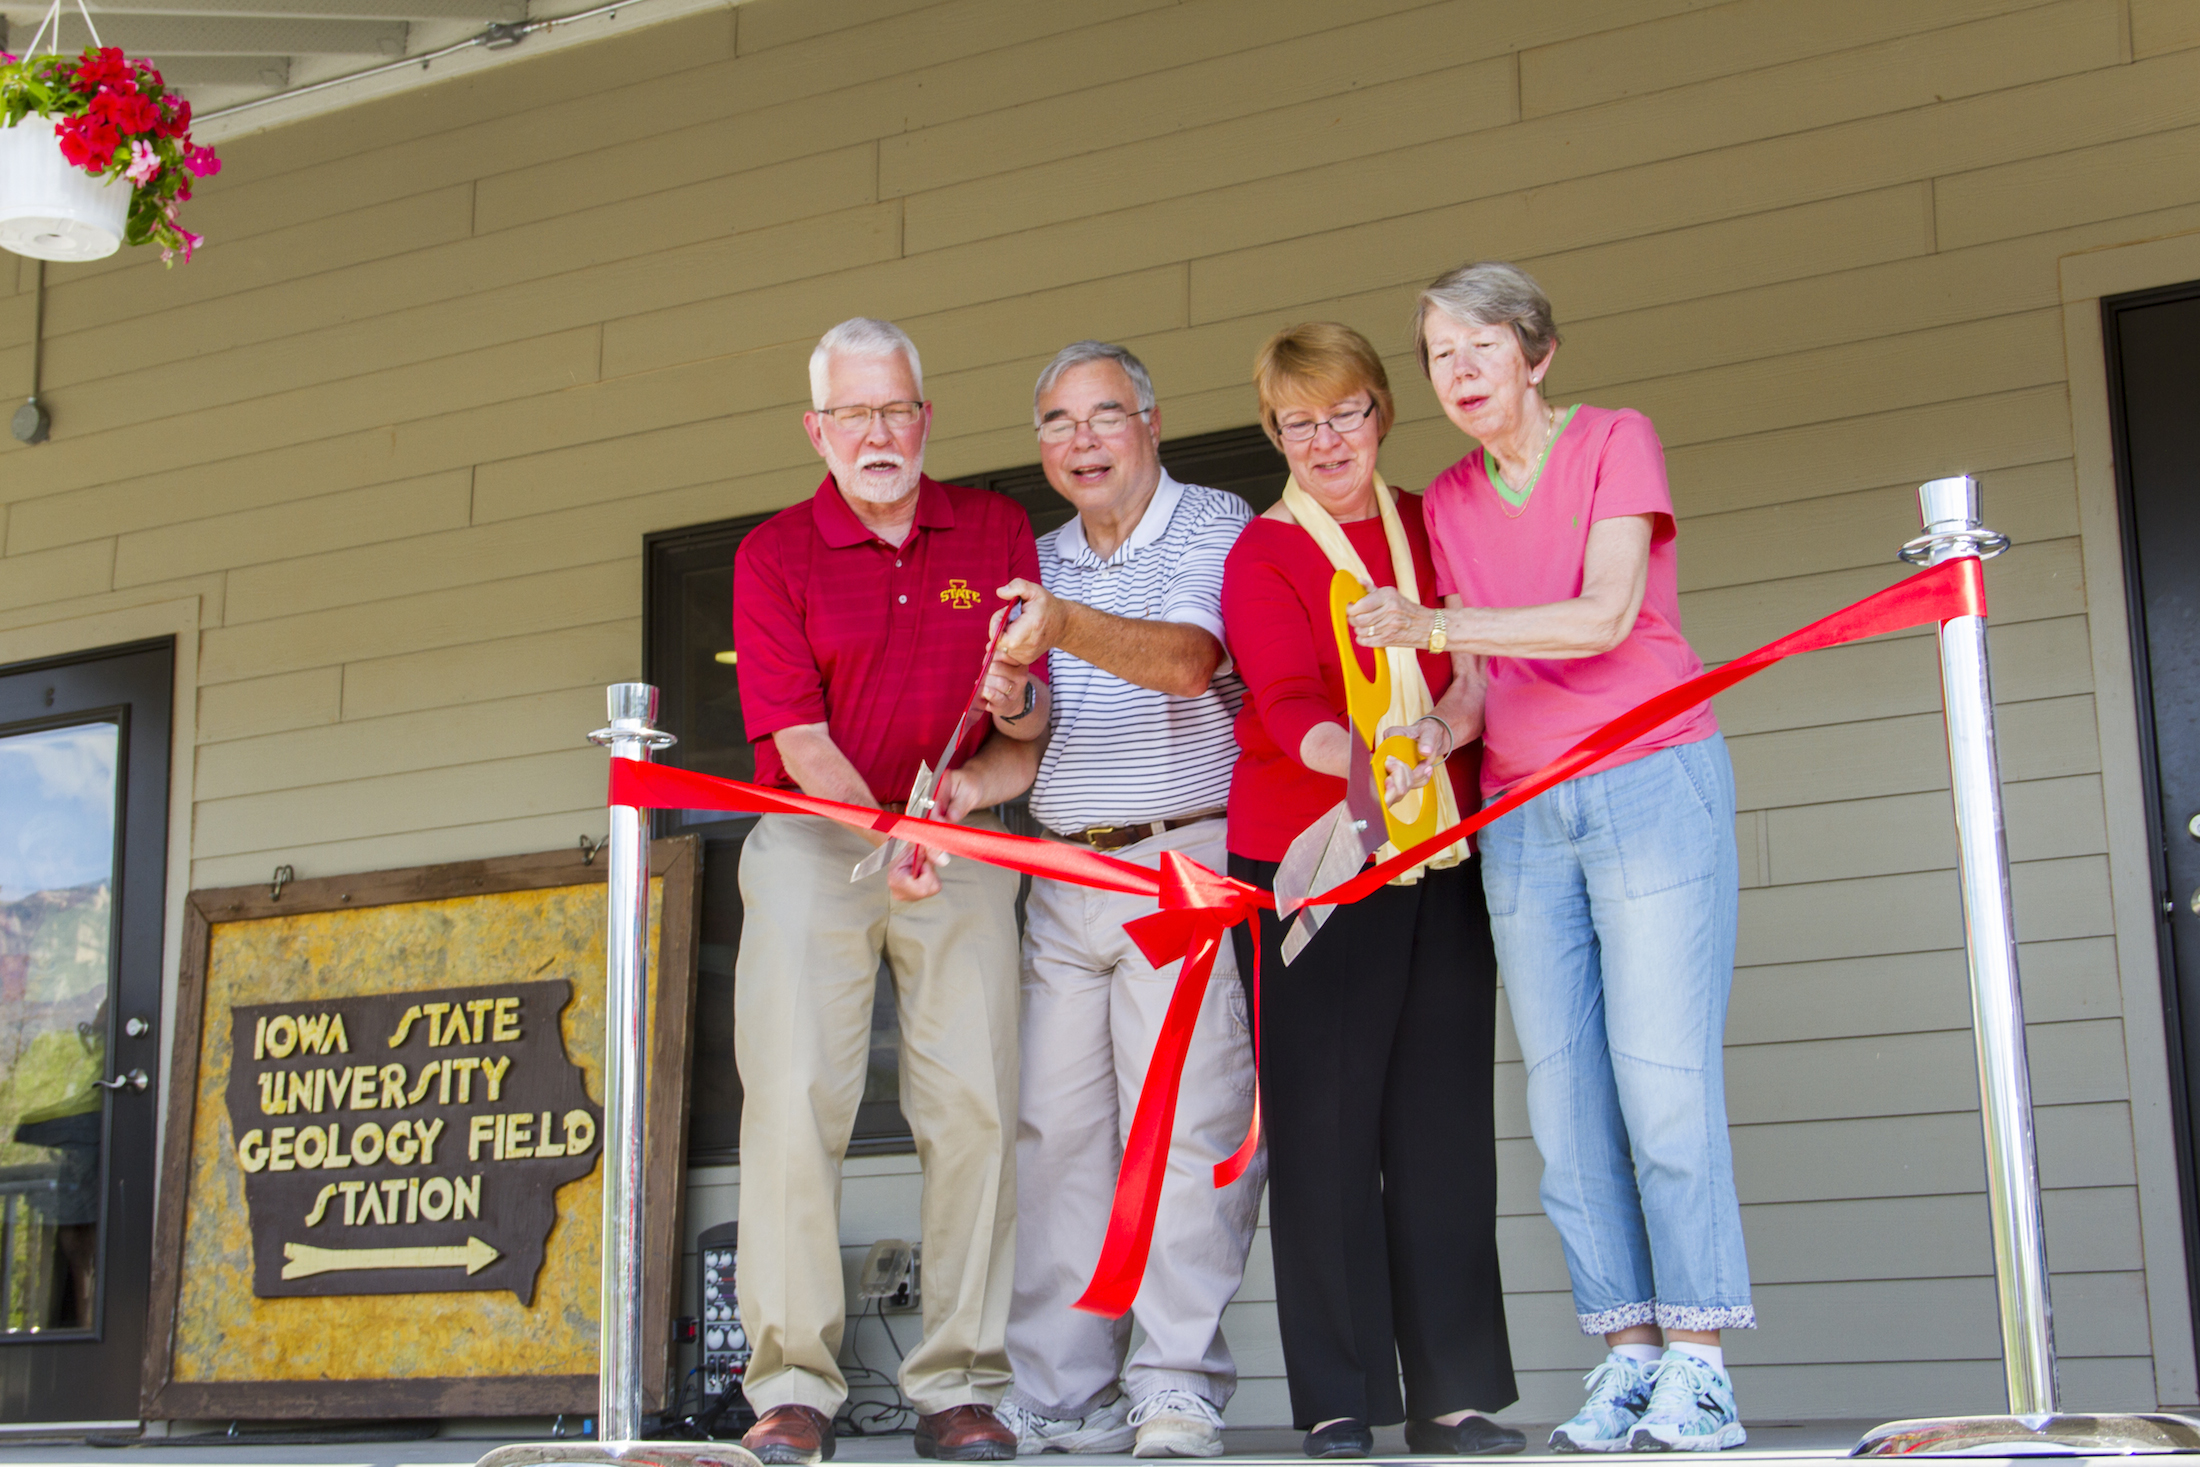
(381, 1174)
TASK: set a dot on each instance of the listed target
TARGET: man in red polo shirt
(861, 620)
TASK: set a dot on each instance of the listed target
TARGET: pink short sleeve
(1630, 476)
(1439, 508)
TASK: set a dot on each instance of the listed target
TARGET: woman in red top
(1376, 1044)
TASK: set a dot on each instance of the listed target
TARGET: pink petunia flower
(201, 161)
(144, 163)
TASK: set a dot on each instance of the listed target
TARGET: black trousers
(1376, 1054)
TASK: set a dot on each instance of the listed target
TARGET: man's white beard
(852, 480)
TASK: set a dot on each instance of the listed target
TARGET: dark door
(2154, 387)
(83, 844)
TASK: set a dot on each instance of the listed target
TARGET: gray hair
(860, 336)
(1076, 354)
(1489, 293)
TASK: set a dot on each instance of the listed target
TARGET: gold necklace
(1550, 431)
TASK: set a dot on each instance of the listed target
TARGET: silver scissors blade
(928, 775)
(1363, 799)
(920, 805)
(1324, 855)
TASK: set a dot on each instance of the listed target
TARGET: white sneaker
(1619, 1392)
(1691, 1409)
(1105, 1428)
(1174, 1423)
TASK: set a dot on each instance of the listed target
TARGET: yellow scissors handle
(1365, 700)
(1421, 825)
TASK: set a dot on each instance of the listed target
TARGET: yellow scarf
(1409, 696)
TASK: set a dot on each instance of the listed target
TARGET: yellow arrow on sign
(305, 1260)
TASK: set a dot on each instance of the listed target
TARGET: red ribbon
(1197, 907)
(1951, 589)
(661, 787)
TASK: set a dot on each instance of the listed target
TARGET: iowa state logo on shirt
(960, 595)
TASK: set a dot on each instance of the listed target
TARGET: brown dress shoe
(794, 1436)
(965, 1434)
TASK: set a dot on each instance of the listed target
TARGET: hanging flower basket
(49, 208)
(95, 153)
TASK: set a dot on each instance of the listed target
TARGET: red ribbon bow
(1198, 909)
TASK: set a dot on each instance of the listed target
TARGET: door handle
(135, 1080)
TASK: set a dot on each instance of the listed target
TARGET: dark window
(688, 637)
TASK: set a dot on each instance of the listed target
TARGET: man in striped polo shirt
(1129, 620)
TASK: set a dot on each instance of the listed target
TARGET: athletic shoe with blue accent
(1619, 1392)
(1691, 1409)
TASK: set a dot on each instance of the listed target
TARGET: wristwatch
(1436, 634)
(1031, 701)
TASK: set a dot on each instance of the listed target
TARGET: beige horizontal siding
(2163, 25)
(449, 356)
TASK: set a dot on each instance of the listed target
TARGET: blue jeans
(1613, 901)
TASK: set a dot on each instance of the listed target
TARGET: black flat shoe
(1347, 1438)
(1474, 1436)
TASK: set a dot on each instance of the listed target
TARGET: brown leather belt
(1115, 837)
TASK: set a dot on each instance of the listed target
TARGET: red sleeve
(1272, 640)
(781, 685)
(1631, 475)
(1023, 563)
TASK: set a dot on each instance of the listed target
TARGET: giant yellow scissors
(1367, 701)
(1339, 843)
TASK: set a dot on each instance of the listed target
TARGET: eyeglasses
(1106, 423)
(857, 418)
(1301, 429)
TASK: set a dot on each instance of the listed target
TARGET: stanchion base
(2032, 1436)
(624, 1454)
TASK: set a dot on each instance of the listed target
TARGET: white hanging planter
(51, 210)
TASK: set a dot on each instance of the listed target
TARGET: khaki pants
(803, 991)
(1093, 1008)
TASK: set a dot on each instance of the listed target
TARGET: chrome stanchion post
(631, 734)
(1953, 529)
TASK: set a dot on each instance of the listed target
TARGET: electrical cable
(875, 1418)
(888, 1326)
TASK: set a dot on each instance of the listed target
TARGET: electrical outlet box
(725, 1348)
(891, 1274)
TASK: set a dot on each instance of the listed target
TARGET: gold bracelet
(1436, 634)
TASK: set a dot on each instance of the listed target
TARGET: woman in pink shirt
(1612, 897)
